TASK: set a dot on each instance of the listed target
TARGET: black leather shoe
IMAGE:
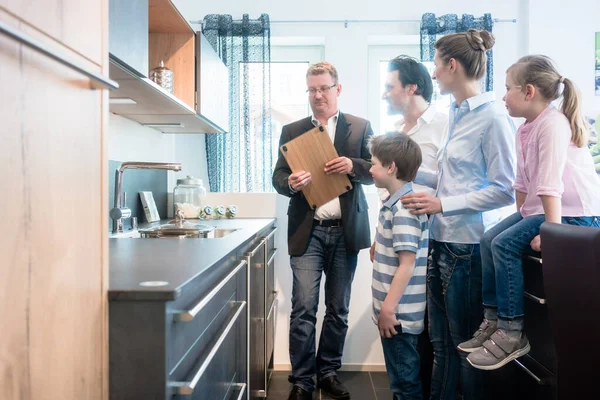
(298, 393)
(334, 388)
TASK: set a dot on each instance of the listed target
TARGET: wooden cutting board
(309, 152)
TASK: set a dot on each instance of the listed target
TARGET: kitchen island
(183, 313)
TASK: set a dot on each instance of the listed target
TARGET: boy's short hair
(400, 149)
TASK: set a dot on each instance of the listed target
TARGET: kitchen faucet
(120, 211)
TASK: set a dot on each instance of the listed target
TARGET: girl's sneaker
(485, 331)
(499, 350)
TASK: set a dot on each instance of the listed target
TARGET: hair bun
(480, 40)
(488, 39)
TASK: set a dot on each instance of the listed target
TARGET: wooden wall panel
(53, 261)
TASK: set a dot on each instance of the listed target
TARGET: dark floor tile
(358, 383)
(279, 387)
(384, 394)
(279, 382)
(380, 380)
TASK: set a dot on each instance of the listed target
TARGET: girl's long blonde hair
(540, 71)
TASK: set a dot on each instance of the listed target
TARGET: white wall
(566, 33)
(130, 141)
(347, 49)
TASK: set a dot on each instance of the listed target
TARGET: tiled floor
(362, 386)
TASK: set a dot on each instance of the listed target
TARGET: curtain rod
(347, 21)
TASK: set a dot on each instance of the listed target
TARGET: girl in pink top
(556, 182)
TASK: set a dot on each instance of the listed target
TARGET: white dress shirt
(428, 134)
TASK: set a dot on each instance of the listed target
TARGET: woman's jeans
(502, 249)
(455, 312)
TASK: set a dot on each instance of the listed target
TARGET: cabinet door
(78, 24)
(212, 81)
(256, 263)
(52, 258)
(128, 28)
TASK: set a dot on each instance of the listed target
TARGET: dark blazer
(351, 140)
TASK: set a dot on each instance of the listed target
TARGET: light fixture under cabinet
(165, 125)
(121, 100)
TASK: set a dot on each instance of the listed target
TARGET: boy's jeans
(502, 249)
(402, 364)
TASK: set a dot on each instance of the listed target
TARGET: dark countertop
(175, 261)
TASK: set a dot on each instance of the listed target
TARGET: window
(289, 101)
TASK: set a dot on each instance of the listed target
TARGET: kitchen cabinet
(212, 84)
(128, 26)
(53, 264)
(194, 336)
(263, 311)
(146, 33)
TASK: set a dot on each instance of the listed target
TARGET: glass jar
(189, 196)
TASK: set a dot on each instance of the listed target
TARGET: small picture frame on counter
(149, 206)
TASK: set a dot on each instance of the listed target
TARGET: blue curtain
(432, 28)
(241, 160)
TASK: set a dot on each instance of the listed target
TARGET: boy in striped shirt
(399, 263)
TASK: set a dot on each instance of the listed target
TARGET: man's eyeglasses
(322, 90)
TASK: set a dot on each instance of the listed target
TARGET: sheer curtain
(241, 160)
(433, 28)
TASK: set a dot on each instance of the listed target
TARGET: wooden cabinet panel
(75, 23)
(177, 53)
(15, 245)
(52, 261)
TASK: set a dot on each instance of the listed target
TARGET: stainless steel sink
(125, 235)
(220, 233)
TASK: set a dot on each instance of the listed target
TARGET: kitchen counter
(172, 262)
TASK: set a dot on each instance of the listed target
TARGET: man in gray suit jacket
(326, 239)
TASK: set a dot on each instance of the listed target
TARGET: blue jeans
(402, 364)
(502, 249)
(455, 311)
(326, 253)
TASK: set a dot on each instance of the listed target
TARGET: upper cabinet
(144, 33)
(213, 83)
(128, 28)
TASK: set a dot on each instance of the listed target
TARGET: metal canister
(163, 77)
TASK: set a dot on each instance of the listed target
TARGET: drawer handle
(187, 388)
(271, 234)
(272, 257)
(189, 315)
(538, 300)
(98, 80)
(524, 368)
(534, 258)
(257, 248)
(271, 309)
(241, 387)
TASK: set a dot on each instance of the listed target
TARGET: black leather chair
(571, 265)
